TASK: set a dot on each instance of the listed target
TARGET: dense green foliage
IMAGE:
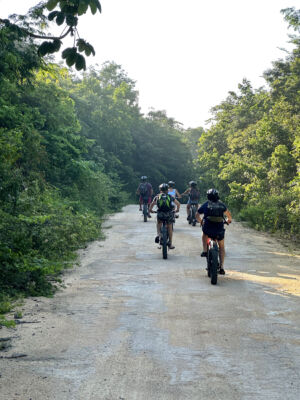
(71, 150)
(251, 152)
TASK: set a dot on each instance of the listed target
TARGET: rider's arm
(186, 192)
(228, 215)
(178, 194)
(177, 204)
(198, 218)
(151, 189)
(152, 204)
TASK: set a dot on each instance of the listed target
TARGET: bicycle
(145, 208)
(192, 215)
(164, 233)
(213, 259)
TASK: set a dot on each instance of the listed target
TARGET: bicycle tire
(208, 264)
(164, 238)
(145, 212)
(214, 255)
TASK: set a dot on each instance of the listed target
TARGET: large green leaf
(80, 62)
(69, 52)
(60, 18)
(51, 4)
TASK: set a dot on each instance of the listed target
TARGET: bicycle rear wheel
(164, 239)
(208, 264)
(145, 212)
(214, 263)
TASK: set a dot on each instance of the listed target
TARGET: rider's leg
(158, 227)
(204, 244)
(141, 202)
(204, 241)
(222, 252)
(188, 206)
(149, 202)
(170, 231)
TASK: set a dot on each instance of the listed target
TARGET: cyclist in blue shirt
(172, 191)
(212, 223)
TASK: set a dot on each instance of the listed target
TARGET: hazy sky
(184, 55)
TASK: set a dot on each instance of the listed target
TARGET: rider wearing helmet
(213, 223)
(145, 191)
(165, 206)
(173, 191)
(194, 196)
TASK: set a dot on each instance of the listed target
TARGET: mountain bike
(145, 208)
(164, 233)
(192, 215)
(213, 259)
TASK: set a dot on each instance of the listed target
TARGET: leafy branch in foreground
(62, 12)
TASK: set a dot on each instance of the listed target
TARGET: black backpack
(194, 195)
(143, 189)
(215, 211)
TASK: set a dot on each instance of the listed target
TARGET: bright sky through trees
(185, 56)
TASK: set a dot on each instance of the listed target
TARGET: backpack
(215, 211)
(194, 195)
(164, 202)
(143, 189)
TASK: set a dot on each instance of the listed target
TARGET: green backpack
(164, 202)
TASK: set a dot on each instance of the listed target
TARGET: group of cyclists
(211, 214)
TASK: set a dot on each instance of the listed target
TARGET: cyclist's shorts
(192, 202)
(148, 199)
(165, 216)
(219, 235)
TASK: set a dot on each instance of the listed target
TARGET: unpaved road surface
(132, 326)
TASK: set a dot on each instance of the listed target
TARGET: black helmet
(171, 184)
(143, 178)
(193, 183)
(164, 187)
(213, 195)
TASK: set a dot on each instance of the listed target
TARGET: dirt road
(132, 326)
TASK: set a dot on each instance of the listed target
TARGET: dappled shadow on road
(281, 283)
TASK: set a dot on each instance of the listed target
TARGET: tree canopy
(251, 152)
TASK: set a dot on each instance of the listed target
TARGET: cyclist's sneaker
(157, 239)
(204, 254)
(222, 271)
